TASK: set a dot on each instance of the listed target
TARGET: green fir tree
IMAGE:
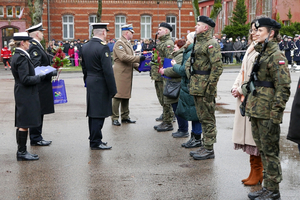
(239, 13)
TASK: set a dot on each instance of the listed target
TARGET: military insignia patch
(34, 43)
(281, 62)
(257, 23)
(35, 53)
(120, 47)
(106, 54)
(210, 46)
(168, 46)
(103, 43)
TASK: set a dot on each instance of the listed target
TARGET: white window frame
(68, 24)
(267, 8)
(92, 19)
(16, 10)
(173, 24)
(229, 12)
(147, 33)
(204, 11)
(252, 10)
(12, 13)
(118, 25)
(2, 9)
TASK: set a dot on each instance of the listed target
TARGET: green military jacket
(165, 48)
(207, 58)
(269, 103)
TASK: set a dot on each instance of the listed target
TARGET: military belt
(202, 72)
(264, 84)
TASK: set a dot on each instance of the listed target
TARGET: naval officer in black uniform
(100, 83)
(40, 58)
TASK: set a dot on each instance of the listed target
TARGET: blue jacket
(186, 105)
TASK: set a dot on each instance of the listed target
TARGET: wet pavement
(143, 164)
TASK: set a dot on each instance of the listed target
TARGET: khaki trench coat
(124, 62)
(242, 133)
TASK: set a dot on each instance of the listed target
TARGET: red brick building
(269, 8)
(70, 19)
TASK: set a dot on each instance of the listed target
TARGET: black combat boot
(165, 127)
(180, 134)
(197, 151)
(253, 195)
(155, 127)
(205, 154)
(22, 153)
(269, 195)
(160, 118)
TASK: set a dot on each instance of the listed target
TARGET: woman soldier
(27, 104)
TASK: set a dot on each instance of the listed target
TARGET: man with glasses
(124, 62)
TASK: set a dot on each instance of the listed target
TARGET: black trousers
(36, 132)
(95, 127)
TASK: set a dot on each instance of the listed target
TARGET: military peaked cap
(267, 22)
(127, 27)
(38, 27)
(100, 26)
(206, 20)
(19, 36)
(166, 25)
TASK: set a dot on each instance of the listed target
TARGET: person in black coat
(66, 46)
(147, 46)
(41, 58)
(27, 103)
(294, 134)
(100, 84)
(227, 46)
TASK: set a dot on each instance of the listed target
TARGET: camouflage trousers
(206, 114)
(167, 108)
(268, 146)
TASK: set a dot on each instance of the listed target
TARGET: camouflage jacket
(207, 58)
(165, 48)
(269, 103)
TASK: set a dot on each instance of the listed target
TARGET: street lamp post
(179, 4)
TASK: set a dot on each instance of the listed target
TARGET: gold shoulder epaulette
(34, 43)
(103, 43)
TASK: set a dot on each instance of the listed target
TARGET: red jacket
(5, 53)
(71, 53)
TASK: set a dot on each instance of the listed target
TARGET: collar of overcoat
(127, 44)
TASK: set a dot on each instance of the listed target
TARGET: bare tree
(35, 11)
(99, 12)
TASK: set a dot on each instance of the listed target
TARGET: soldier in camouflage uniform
(265, 108)
(165, 48)
(203, 84)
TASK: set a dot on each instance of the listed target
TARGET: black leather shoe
(194, 143)
(164, 127)
(180, 134)
(116, 123)
(101, 147)
(205, 154)
(253, 195)
(128, 121)
(21, 156)
(197, 151)
(41, 143)
(160, 118)
(269, 195)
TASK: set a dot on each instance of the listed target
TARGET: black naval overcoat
(27, 103)
(40, 58)
(294, 133)
(99, 78)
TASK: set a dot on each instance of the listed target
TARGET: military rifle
(192, 60)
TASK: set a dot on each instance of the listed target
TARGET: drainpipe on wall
(48, 16)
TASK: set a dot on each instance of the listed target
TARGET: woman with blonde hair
(242, 132)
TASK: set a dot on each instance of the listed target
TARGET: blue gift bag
(167, 64)
(145, 65)
(59, 91)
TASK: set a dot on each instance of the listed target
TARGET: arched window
(172, 21)
(68, 27)
(120, 21)
(146, 27)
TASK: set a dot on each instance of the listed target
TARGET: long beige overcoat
(242, 126)
(124, 62)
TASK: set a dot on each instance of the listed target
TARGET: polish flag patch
(168, 46)
(281, 62)
(210, 46)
